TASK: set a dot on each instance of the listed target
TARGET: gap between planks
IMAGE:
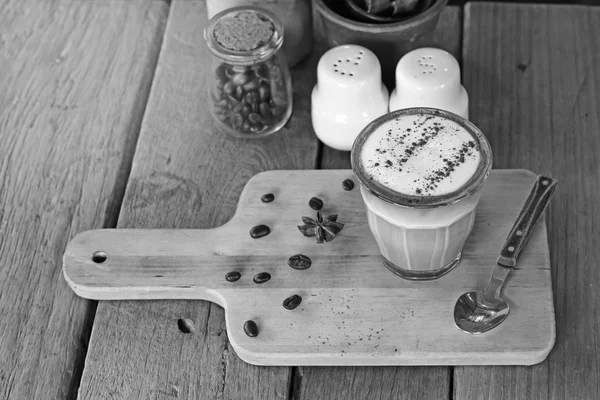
(118, 193)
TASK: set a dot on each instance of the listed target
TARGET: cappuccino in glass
(421, 172)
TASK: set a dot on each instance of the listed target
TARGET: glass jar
(295, 15)
(249, 82)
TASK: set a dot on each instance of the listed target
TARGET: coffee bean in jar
(249, 81)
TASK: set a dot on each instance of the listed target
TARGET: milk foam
(421, 155)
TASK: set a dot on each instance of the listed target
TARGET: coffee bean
(220, 73)
(348, 184)
(265, 110)
(250, 328)
(232, 100)
(239, 79)
(246, 110)
(252, 85)
(261, 277)
(254, 107)
(292, 302)
(267, 198)
(229, 88)
(259, 231)
(237, 108)
(239, 93)
(255, 118)
(246, 126)
(232, 276)
(251, 98)
(257, 128)
(299, 261)
(263, 92)
(238, 120)
(315, 203)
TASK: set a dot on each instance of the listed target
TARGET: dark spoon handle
(532, 210)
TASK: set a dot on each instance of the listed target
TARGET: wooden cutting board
(353, 311)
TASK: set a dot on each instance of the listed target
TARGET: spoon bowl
(475, 315)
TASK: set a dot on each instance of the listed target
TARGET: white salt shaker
(429, 77)
(348, 95)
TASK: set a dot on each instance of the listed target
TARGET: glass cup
(421, 236)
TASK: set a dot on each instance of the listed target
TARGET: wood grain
(400, 382)
(533, 75)
(188, 175)
(447, 36)
(74, 83)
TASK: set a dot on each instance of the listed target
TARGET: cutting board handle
(119, 264)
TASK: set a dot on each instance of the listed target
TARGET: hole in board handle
(99, 257)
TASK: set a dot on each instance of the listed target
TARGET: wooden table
(104, 123)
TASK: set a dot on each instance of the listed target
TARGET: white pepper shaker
(348, 95)
(429, 77)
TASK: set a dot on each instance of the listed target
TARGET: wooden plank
(533, 74)
(382, 383)
(187, 175)
(74, 82)
(447, 36)
(353, 311)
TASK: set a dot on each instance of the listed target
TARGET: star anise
(323, 229)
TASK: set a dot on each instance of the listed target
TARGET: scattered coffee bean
(299, 261)
(259, 231)
(261, 277)
(315, 203)
(250, 328)
(267, 198)
(348, 184)
(232, 276)
(292, 302)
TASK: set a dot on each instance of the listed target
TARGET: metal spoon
(479, 311)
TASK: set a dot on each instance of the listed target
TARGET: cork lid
(244, 35)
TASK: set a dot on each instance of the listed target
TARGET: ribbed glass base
(416, 275)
